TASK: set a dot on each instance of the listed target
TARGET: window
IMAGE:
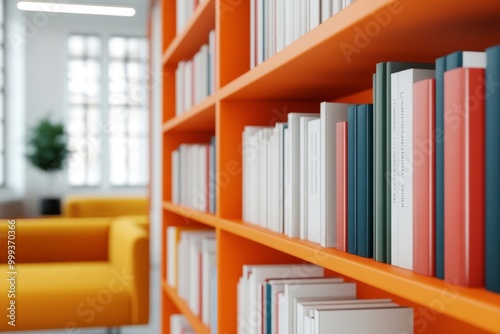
(108, 136)
(2, 96)
(84, 113)
(128, 111)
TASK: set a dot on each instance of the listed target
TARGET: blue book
(268, 304)
(351, 180)
(492, 172)
(364, 180)
(440, 69)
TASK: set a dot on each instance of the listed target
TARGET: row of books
(299, 299)
(193, 176)
(191, 269)
(184, 10)
(195, 78)
(275, 24)
(180, 325)
(410, 180)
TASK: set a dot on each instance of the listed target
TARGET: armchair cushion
(93, 206)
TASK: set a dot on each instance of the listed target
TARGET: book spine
(314, 200)
(351, 180)
(424, 177)
(439, 221)
(394, 168)
(464, 177)
(364, 185)
(492, 222)
(381, 229)
(341, 189)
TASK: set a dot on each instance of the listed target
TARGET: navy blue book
(440, 69)
(364, 180)
(351, 180)
(492, 172)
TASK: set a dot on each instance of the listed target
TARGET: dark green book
(351, 180)
(364, 181)
(492, 172)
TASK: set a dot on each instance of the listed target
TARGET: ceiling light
(55, 7)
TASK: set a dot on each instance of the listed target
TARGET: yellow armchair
(75, 272)
(96, 206)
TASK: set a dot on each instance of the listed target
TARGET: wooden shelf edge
(477, 307)
(183, 307)
(184, 119)
(199, 216)
(203, 13)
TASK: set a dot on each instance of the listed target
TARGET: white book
(331, 114)
(406, 80)
(281, 314)
(253, 40)
(278, 287)
(304, 289)
(474, 59)
(171, 255)
(194, 276)
(287, 198)
(308, 323)
(261, 273)
(395, 170)
(260, 32)
(204, 71)
(182, 270)
(314, 13)
(208, 263)
(280, 24)
(264, 136)
(305, 305)
(289, 22)
(280, 197)
(175, 177)
(303, 174)
(292, 226)
(271, 28)
(297, 21)
(183, 157)
(179, 88)
(314, 181)
(326, 10)
(239, 310)
(179, 324)
(336, 6)
(213, 61)
(188, 85)
(201, 199)
(269, 195)
(392, 320)
(304, 17)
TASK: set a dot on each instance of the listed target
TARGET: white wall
(45, 45)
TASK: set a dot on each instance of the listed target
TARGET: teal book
(268, 304)
(440, 69)
(351, 180)
(492, 172)
(364, 182)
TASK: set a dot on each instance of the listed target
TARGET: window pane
(117, 70)
(76, 124)
(118, 161)
(1, 107)
(94, 158)
(117, 47)
(77, 161)
(138, 123)
(117, 121)
(138, 157)
(93, 46)
(93, 122)
(76, 46)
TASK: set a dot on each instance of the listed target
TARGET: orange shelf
(194, 35)
(338, 57)
(183, 307)
(202, 217)
(477, 307)
(200, 118)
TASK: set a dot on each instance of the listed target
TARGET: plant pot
(50, 206)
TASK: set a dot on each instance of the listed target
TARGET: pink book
(341, 195)
(424, 177)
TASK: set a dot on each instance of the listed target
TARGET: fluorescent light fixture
(55, 7)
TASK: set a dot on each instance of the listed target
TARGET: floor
(152, 328)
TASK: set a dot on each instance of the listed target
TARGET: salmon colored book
(464, 177)
(424, 177)
(341, 196)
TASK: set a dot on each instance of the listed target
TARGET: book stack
(297, 298)
(275, 24)
(195, 78)
(191, 267)
(184, 11)
(180, 325)
(193, 176)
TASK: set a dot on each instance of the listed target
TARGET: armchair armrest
(129, 255)
(57, 240)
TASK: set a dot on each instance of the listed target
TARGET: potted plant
(47, 150)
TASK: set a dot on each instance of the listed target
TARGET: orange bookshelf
(311, 70)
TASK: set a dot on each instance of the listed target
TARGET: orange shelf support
(195, 34)
(183, 307)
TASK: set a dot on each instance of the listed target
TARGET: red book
(424, 177)
(464, 177)
(341, 195)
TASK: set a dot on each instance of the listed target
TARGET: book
(363, 180)
(331, 114)
(492, 163)
(341, 186)
(424, 177)
(404, 174)
(395, 168)
(213, 302)
(351, 180)
(180, 325)
(208, 265)
(304, 180)
(314, 181)
(464, 177)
